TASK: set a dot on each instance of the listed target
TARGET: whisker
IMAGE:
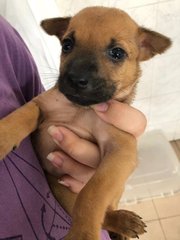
(49, 73)
(46, 86)
(49, 84)
(122, 90)
(47, 67)
(51, 81)
(50, 78)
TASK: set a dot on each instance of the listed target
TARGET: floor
(162, 216)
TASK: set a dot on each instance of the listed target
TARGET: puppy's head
(101, 51)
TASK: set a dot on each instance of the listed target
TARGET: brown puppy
(101, 51)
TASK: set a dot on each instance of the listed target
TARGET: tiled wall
(158, 94)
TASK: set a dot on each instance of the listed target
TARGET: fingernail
(50, 156)
(101, 107)
(56, 161)
(63, 183)
(55, 133)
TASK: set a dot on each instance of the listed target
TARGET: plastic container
(158, 172)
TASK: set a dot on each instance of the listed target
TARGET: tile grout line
(159, 220)
(157, 96)
(163, 218)
(149, 4)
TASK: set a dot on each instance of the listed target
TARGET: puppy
(101, 51)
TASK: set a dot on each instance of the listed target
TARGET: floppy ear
(151, 43)
(56, 26)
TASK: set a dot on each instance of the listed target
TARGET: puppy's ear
(151, 43)
(56, 26)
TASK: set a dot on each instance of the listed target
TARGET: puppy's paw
(125, 223)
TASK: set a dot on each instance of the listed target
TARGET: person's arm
(79, 159)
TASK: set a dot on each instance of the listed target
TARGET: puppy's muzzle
(81, 84)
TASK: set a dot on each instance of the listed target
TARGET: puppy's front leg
(16, 126)
(105, 186)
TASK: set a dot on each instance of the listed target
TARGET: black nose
(76, 81)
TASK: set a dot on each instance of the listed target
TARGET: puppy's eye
(117, 54)
(67, 45)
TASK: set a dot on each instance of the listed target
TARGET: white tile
(64, 7)
(166, 74)
(143, 105)
(125, 4)
(171, 228)
(177, 131)
(166, 1)
(168, 20)
(144, 87)
(154, 232)
(74, 6)
(145, 16)
(165, 108)
(168, 207)
(169, 128)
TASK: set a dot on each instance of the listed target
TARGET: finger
(122, 116)
(68, 166)
(77, 148)
(74, 185)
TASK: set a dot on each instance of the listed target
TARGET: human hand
(122, 116)
(78, 160)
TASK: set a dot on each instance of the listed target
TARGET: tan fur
(94, 206)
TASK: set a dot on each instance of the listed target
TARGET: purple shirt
(28, 209)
